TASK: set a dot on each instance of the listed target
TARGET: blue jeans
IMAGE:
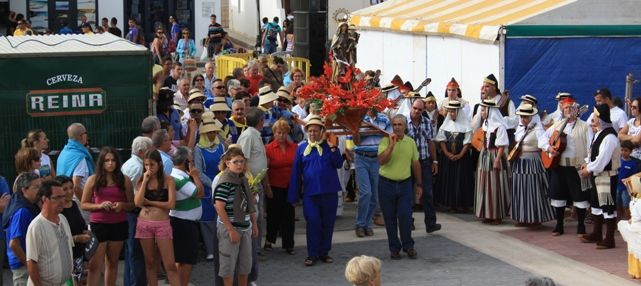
(269, 47)
(367, 180)
(428, 196)
(396, 203)
(623, 198)
(134, 258)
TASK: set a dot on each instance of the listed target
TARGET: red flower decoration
(348, 92)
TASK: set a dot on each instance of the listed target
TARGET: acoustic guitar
(478, 138)
(559, 141)
(515, 152)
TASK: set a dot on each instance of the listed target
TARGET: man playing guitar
(565, 183)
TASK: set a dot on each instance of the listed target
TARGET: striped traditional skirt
(492, 199)
(530, 202)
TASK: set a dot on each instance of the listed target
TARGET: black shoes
(433, 228)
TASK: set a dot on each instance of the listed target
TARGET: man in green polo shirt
(398, 157)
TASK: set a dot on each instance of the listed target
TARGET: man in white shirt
(603, 162)
(210, 68)
(617, 115)
(181, 97)
(49, 239)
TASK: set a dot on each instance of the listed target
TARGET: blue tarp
(545, 66)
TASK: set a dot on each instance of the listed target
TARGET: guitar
(478, 138)
(559, 141)
(516, 150)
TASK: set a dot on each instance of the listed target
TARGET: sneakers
(209, 257)
(360, 232)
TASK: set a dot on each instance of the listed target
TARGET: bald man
(75, 161)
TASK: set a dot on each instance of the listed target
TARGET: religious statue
(340, 50)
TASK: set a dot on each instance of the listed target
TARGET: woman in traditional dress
(492, 201)
(454, 190)
(453, 93)
(530, 203)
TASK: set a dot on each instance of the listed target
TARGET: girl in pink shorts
(155, 197)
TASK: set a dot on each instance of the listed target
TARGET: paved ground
(464, 252)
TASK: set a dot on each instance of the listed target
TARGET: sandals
(309, 261)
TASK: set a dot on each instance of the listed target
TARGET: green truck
(49, 82)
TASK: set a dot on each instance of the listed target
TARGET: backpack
(272, 32)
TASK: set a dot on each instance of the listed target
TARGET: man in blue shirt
(166, 113)
(366, 167)
(18, 214)
(5, 194)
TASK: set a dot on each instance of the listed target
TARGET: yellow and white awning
(473, 19)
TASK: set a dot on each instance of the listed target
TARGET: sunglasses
(196, 111)
(185, 33)
(634, 107)
(200, 79)
(219, 87)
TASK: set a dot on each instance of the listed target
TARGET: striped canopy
(471, 19)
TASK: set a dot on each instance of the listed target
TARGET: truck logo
(62, 102)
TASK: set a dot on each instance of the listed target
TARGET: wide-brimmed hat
(266, 95)
(284, 93)
(453, 104)
(412, 94)
(530, 98)
(210, 125)
(196, 95)
(315, 120)
(208, 115)
(489, 103)
(220, 106)
(561, 95)
(526, 109)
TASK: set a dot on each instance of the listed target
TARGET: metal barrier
(226, 64)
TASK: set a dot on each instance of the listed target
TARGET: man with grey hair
(162, 143)
(233, 87)
(149, 125)
(188, 210)
(252, 146)
(75, 161)
(210, 76)
(16, 218)
(133, 168)
(181, 97)
(399, 161)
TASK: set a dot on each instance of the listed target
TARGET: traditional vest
(594, 150)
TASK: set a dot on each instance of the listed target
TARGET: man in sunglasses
(190, 127)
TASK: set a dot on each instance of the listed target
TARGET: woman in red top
(254, 77)
(280, 214)
(108, 196)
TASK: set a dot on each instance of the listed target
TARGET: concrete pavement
(464, 252)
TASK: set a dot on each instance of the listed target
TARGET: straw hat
(208, 115)
(284, 93)
(489, 103)
(453, 104)
(315, 120)
(527, 109)
(210, 125)
(530, 98)
(561, 95)
(196, 95)
(266, 95)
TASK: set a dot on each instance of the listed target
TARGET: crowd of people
(226, 162)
